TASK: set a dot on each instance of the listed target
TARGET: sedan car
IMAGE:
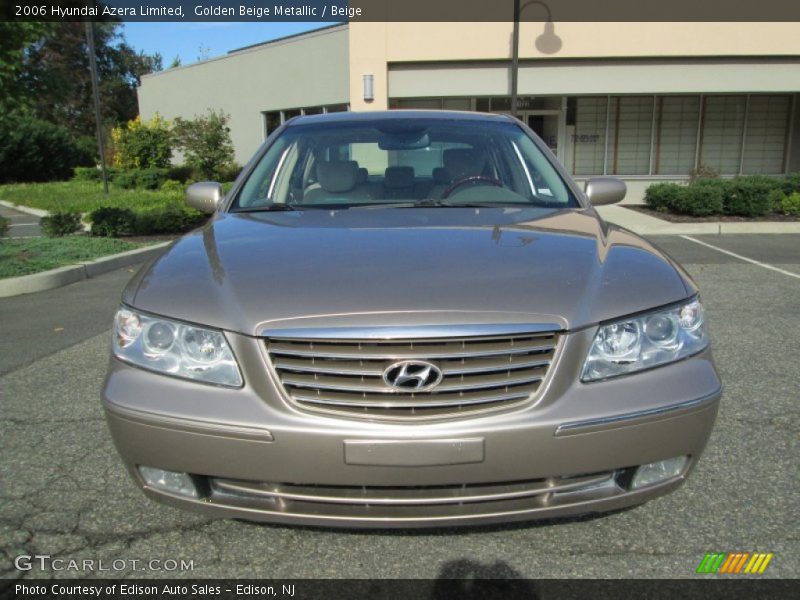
(409, 319)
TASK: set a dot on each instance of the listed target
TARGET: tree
(206, 142)
(16, 39)
(44, 69)
(176, 62)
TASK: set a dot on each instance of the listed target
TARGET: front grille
(387, 504)
(347, 376)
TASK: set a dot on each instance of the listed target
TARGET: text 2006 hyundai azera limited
(409, 319)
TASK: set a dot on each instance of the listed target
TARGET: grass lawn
(84, 196)
(31, 255)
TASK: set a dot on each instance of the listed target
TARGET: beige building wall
(307, 70)
(412, 48)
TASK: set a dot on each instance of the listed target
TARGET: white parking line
(740, 257)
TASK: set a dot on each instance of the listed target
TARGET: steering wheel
(470, 179)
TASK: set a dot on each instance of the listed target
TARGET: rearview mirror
(605, 190)
(205, 196)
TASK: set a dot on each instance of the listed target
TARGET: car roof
(398, 114)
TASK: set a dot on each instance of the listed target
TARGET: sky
(190, 41)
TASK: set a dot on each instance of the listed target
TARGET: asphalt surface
(63, 491)
(20, 224)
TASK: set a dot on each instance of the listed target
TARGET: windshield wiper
(275, 207)
(445, 204)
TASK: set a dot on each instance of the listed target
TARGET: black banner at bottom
(404, 589)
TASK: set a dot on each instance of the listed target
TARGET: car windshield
(398, 162)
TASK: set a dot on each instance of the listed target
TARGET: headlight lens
(646, 341)
(174, 348)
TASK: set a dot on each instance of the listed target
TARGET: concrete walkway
(21, 224)
(646, 225)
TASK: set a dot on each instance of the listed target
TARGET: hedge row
(152, 178)
(117, 222)
(748, 196)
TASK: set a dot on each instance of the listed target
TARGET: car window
(414, 160)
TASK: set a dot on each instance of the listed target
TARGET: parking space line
(744, 258)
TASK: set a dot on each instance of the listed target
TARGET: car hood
(260, 272)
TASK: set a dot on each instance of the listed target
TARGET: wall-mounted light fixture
(369, 87)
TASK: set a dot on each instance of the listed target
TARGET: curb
(61, 276)
(645, 224)
(37, 212)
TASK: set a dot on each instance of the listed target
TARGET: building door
(546, 126)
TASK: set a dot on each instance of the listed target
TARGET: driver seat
(458, 163)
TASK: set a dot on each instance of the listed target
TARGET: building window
(629, 135)
(766, 134)
(291, 113)
(457, 103)
(676, 134)
(314, 110)
(337, 108)
(419, 103)
(721, 137)
(272, 120)
(589, 136)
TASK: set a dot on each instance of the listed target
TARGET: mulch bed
(673, 218)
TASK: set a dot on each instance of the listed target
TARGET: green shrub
(142, 144)
(33, 150)
(229, 173)
(790, 184)
(206, 143)
(749, 196)
(663, 196)
(700, 200)
(3, 225)
(112, 222)
(182, 173)
(790, 205)
(94, 173)
(703, 172)
(60, 224)
(170, 219)
(141, 179)
(172, 186)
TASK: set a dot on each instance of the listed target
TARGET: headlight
(174, 348)
(646, 341)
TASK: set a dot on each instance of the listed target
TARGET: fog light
(169, 481)
(658, 471)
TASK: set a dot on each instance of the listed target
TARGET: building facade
(641, 101)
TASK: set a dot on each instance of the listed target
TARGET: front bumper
(256, 456)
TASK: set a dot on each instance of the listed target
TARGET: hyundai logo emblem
(412, 376)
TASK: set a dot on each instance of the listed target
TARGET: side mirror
(605, 190)
(205, 196)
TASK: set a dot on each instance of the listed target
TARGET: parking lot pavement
(63, 491)
(20, 224)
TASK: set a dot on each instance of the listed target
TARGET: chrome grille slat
(478, 373)
(411, 496)
(379, 387)
(409, 401)
(395, 351)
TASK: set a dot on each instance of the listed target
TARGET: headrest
(440, 176)
(461, 162)
(363, 175)
(398, 177)
(338, 176)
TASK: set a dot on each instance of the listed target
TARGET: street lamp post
(551, 43)
(96, 94)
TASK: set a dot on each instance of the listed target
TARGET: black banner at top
(330, 11)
